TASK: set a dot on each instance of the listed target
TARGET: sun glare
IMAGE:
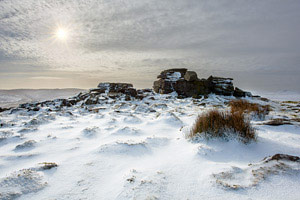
(61, 34)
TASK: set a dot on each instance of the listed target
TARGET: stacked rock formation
(116, 88)
(187, 84)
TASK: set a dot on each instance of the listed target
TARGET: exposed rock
(241, 93)
(131, 92)
(278, 122)
(114, 87)
(123, 88)
(190, 76)
(221, 86)
(127, 98)
(35, 109)
(64, 102)
(3, 109)
(187, 84)
(142, 91)
(91, 100)
(140, 97)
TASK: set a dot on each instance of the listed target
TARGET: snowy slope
(138, 150)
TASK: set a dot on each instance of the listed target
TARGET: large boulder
(185, 83)
(190, 76)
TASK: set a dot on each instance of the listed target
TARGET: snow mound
(169, 118)
(26, 146)
(126, 148)
(132, 120)
(21, 182)
(90, 131)
(127, 131)
(150, 186)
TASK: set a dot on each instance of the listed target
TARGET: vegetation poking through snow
(223, 124)
(48, 165)
(244, 107)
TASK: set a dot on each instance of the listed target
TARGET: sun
(61, 34)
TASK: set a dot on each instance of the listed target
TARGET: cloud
(45, 78)
(146, 36)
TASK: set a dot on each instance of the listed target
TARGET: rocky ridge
(187, 84)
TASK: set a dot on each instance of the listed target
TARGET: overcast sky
(257, 42)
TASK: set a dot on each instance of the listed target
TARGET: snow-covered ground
(138, 149)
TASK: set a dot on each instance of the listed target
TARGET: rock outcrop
(124, 88)
(115, 88)
(187, 84)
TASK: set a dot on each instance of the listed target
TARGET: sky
(79, 43)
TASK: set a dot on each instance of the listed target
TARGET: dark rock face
(187, 84)
(123, 88)
(221, 86)
(3, 109)
(190, 76)
(241, 93)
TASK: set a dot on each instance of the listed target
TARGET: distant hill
(10, 98)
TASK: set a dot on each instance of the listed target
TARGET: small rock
(278, 122)
(127, 98)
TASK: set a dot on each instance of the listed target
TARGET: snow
(138, 150)
(175, 76)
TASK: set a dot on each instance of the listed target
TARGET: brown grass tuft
(220, 124)
(242, 106)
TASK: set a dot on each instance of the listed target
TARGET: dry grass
(242, 106)
(222, 125)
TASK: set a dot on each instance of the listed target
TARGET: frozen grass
(222, 124)
(243, 106)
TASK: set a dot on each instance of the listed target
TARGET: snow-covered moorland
(138, 149)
